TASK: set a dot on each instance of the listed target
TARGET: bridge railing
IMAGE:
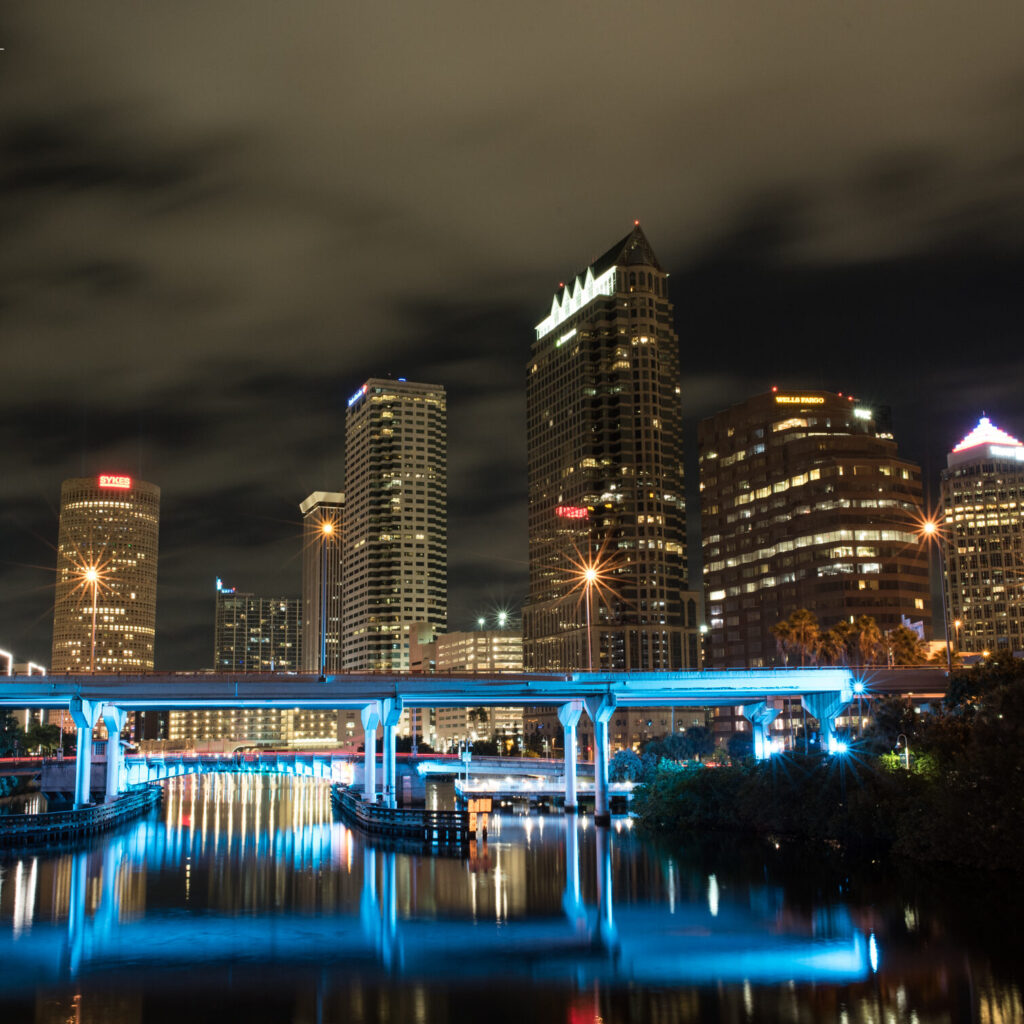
(54, 826)
(432, 828)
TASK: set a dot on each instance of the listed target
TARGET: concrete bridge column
(761, 715)
(368, 913)
(569, 716)
(370, 717)
(114, 719)
(390, 713)
(826, 708)
(78, 889)
(85, 714)
(605, 934)
(572, 897)
(600, 710)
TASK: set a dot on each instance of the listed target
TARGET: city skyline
(193, 283)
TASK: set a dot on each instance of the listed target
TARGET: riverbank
(862, 804)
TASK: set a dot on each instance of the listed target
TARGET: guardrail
(431, 828)
(55, 826)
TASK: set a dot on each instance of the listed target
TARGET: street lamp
(906, 748)
(91, 576)
(931, 531)
(326, 533)
(590, 573)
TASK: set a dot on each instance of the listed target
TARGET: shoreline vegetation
(961, 801)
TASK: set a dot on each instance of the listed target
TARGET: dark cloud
(217, 226)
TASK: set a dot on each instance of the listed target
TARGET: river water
(241, 899)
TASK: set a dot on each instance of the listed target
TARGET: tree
(403, 745)
(44, 738)
(700, 741)
(625, 766)
(892, 716)
(486, 748)
(672, 746)
(12, 739)
(798, 635)
(905, 647)
(869, 639)
(740, 745)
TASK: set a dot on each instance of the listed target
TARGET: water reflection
(240, 877)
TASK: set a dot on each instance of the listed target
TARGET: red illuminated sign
(571, 512)
(123, 483)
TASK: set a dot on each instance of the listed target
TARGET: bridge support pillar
(85, 714)
(390, 713)
(605, 933)
(569, 716)
(114, 719)
(826, 708)
(572, 896)
(370, 717)
(600, 710)
(761, 715)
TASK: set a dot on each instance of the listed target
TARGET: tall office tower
(983, 540)
(322, 527)
(805, 503)
(256, 634)
(485, 652)
(396, 536)
(104, 616)
(605, 464)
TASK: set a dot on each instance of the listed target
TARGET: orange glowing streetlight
(590, 573)
(930, 530)
(92, 575)
(326, 533)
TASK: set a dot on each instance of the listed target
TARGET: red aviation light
(121, 483)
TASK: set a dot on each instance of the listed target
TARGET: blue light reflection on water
(252, 871)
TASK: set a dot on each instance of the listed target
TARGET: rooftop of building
(986, 432)
(632, 250)
(986, 441)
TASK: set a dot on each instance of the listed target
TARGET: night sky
(218, 219)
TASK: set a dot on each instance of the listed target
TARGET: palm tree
(783, 638)
(905, 647)
(831, 648)
(869, 639)
(799, 634)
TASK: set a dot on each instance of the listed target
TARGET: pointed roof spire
(629, 251)
(986, 432)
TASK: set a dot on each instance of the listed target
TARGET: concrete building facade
(805, 503)
(107, 549)
(605, 467)
(982, 540)
(322, 583)
(395, 561)
(487, 651)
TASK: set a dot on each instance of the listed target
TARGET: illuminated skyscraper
(395, 561)
(255, 634)
(805, 503)
(322, 528)
(105, 608)
(983, 540)
(605, 464)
